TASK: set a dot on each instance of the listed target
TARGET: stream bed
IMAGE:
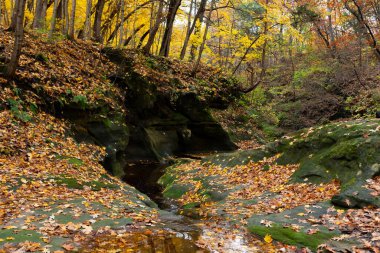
(182, 234)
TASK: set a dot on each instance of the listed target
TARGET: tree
(208, 22)
(356, 9)
(197, 18)
(19, 37)
(98, 21)
(87, 23)
(166, 39)
(37, 21)
(72, 19)
(53, 18)
(156, 26)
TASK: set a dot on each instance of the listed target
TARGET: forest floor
(55, 196)
(54, 193)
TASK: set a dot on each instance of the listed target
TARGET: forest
(187, 126)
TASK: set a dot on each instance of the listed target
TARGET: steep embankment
(137, 106)
(302, 190)
(54, 193)
(68, 111)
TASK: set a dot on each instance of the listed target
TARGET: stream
(184, 233)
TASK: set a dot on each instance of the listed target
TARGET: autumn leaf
(68, 247)
(268, 238)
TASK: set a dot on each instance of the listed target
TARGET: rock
(344, 151)
(278, 226)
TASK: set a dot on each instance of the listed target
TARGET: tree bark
(98, 21)
(19, 37)
(87, 23)
(15, 10)
(1, 10)
(67, 21)
(201, 48)
(121, 29)
(165, 44)
(53, 19)
(37, 21)
(72, 19)
(153, 31)
(198, 17)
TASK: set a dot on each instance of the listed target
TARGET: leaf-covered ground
(54, 193)
(286, 202)
(64, 70)
(226, 197)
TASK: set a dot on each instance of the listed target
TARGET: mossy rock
(291, 237)
(176, 191)
(72, 183)
(299, 216)
(17, 236)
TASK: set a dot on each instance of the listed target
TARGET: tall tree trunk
(37, 21)
(53, 19)
(1, 10)
(197, 32)
(43, 14)
(197, 18)
(153, 31)
(5, 16)
(19, 37)
(121, 30)
(165, 45)
(87, 23)
(98, 21)
(67, 21)
(185, 42)
(263, 60)
(12, 27)
(72, 19)
(202, 46)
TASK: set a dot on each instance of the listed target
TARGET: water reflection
(143, 243)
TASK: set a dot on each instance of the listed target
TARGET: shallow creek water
(184, 234)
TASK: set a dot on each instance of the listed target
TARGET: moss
(75, 161)
(17, 236)
(72, 183)
(191, 205)
(175, 191)
(81, 101)
(167, 179)
(97, 186)
(289, 236)
(72, 160)
(42, 58)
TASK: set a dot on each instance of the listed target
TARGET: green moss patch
(289, 236)
(16, 236)
(72, 183)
